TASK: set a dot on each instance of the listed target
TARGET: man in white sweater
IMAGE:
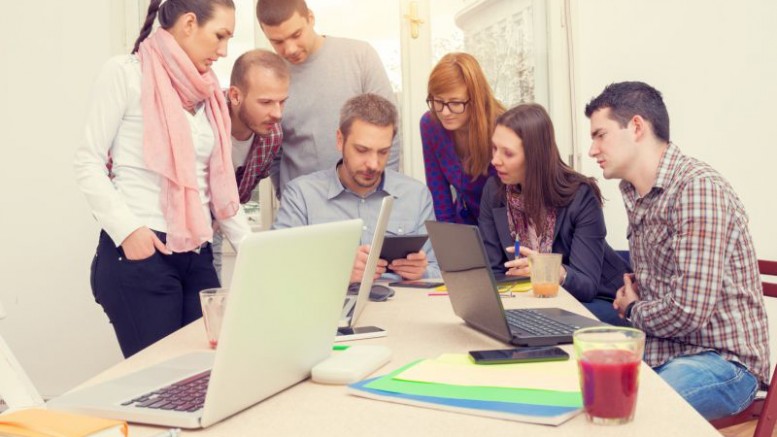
(325, 72)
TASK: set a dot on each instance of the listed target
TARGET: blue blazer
(593, 267)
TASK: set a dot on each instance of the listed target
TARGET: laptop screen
(468, 277)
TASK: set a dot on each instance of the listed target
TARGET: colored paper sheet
(38, 422)
(476, 393)
(458, 369)
(514, 287)
(508, 287)
(550, 415)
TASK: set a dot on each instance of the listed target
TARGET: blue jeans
(713, 386)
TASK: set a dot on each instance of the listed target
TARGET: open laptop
(474, 296)
(278, 325)
(354, 304)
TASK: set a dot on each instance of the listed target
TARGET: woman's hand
(519, 266)
(141, 244)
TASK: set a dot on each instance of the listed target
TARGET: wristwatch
(627, 313)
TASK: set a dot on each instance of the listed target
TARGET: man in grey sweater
(325, 73)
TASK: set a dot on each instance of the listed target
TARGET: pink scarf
(170, 84)
(528, 233)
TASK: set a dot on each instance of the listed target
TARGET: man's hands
(626, 295)
(361, 262)
(410, 268)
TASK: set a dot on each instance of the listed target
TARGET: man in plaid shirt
(696, 291)
(259, 87)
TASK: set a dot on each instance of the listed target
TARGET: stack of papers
(546, 393)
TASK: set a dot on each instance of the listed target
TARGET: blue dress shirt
(320, 197)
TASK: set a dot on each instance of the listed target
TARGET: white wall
(51, 52)
(715, 61)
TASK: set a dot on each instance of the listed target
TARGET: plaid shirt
(696, 268)
(257, 165)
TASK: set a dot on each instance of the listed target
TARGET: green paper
(499, 394)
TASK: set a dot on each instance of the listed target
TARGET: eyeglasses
(439, 105)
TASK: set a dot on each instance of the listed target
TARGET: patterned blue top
(443, 171)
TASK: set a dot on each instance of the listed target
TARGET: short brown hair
(257, 58)
(370, 108)
(275, 12)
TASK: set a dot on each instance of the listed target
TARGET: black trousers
(146, 300)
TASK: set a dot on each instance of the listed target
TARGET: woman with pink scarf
(160, 117)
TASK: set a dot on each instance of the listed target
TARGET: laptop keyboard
(185, 395)
(534, 323)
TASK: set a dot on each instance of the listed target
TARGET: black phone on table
(416, 284)
(519, 355)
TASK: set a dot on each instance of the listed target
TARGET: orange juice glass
(545, 270)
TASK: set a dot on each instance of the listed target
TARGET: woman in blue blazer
(551, 208)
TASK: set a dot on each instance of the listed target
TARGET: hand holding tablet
(395, 247)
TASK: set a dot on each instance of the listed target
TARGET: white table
(419, 326)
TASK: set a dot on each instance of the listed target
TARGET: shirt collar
(388, 184)
(666, 168)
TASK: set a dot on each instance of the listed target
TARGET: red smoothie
(609, 381)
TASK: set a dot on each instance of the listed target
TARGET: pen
(436, 294)
(517, 246)
(172, 432)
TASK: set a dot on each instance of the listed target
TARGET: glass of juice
(545, 272)
(608, 362)
(214, 302)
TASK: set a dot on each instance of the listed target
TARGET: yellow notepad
(36, 422)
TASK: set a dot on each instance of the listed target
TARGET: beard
(260, 128)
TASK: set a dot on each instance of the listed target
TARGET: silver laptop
(278, 325)
(354, 304)
(474, 296)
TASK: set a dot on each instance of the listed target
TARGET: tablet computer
(401, 245)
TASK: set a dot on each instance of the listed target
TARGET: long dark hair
(170, 10)
(550, 183)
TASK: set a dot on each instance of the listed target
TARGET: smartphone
(359, 333)
(519, 355)
(416, 284)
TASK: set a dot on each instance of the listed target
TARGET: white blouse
(114, 129)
